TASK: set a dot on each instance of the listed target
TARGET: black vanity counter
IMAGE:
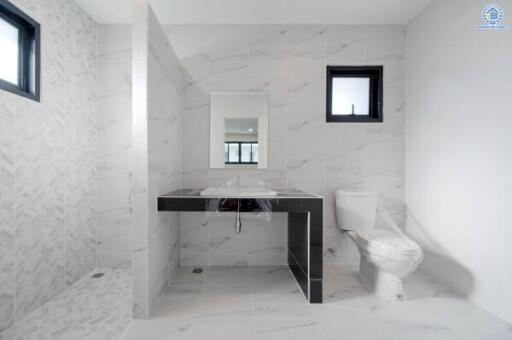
(305, 226)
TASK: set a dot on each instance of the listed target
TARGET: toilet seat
(388, 244)
(388, 240)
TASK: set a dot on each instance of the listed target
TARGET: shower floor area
(93, 308)
(256, 303)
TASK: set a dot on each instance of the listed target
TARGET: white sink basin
(240, 192)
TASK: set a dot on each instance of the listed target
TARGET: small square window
(354, 94)
(20, 52)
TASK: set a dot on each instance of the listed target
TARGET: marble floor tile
(225, 329)
(258, 303)
(227, 276)
(265, 303)
(284, 329)
(226, 304)
(288, 304)
(93, 308)
(159, 328)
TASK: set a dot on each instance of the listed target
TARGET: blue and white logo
(492, 14)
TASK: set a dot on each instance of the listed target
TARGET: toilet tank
(356, 211)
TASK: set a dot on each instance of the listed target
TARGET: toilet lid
(390, 242)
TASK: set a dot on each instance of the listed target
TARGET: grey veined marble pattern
(156, 148)
(263, 303)
(212, 240)
(93, 308)
(114, 146)
(48, 166)
(288, 62)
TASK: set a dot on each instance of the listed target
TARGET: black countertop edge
(281, 194)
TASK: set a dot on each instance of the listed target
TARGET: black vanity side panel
(298, 239)
(298, 245)
(316, 251)
(302, 212)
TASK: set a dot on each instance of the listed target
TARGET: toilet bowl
(387, 254)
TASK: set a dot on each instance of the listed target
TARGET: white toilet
(387, 254)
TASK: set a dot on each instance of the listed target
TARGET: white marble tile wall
(458, 154)
(212, 240)
(288, 62)
(48, 166)
(114, 56)
(139, 163)
(157, 159)
(164, 155)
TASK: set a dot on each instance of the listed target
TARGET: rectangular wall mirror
(239, 130)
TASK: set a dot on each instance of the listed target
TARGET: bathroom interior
(255, 169)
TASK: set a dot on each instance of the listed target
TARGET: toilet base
(380, 283)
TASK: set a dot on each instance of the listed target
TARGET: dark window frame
(240, 152)
(375, 74)
(29, 45)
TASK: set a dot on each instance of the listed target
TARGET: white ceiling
(242, 126)
(262, 11)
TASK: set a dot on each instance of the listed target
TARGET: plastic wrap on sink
(227, 196)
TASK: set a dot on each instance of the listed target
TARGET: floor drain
(197, 270)
(98, 275)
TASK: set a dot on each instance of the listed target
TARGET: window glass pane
(32, 62)
(351, 96)
(226, 152)
(9, 52)
(246, 152)
(255, 156)
(233, 153)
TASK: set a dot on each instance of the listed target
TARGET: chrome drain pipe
(238, 223)
(238, 218)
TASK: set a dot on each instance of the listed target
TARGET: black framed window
(354, 94)
(241, 153)
(20, 40)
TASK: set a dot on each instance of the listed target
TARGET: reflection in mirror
(238, 130)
